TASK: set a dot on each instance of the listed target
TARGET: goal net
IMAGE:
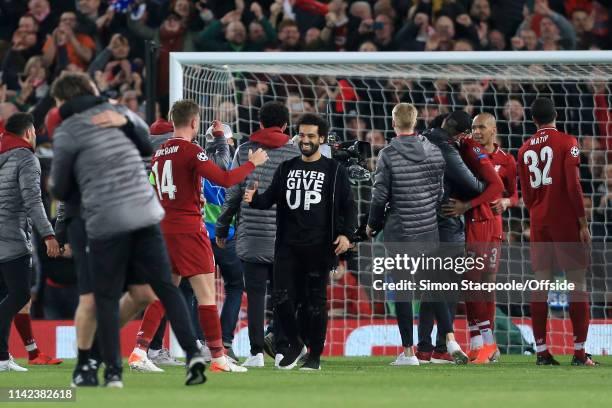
(357, 92)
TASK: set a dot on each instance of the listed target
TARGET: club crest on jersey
(202, 156)
(479, 153)
(574, 151)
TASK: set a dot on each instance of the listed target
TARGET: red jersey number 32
(539, 177)
(165, 184)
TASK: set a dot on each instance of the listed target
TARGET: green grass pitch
(346, 382)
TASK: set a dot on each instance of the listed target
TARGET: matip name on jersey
(167, 150)
(539, 139)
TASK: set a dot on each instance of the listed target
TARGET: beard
(308, 149)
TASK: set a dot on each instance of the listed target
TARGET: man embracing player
(178, 167)
(316, 217)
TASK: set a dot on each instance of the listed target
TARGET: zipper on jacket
(333, 269)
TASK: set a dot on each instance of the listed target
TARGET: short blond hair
(405, 116)
(182, 112)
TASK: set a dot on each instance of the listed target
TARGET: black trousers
(15, 280)
(439, 305)
(256, 277)
(77, 238)
(301, 275)
(444, 314)
(135, 258)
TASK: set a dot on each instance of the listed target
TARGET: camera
(353, 155)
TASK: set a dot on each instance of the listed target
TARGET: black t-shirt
(308, 196)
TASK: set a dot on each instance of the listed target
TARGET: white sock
(452, 346)
(487, 336)
(220, 360)
(475, 342)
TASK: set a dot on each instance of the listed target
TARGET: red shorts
(190, 254)
(557, 247)
(484, 239)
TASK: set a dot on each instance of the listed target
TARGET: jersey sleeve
(571, 167)
(510, 184)
(205, 168)
(479, 161)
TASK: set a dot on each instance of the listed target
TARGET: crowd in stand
(41, 39)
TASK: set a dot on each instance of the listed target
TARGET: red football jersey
(178, 167)
(505, 166)
(477, 159)
(550, 179)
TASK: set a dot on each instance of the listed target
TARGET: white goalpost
(356, 92)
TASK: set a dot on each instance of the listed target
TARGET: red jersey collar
(180, 138)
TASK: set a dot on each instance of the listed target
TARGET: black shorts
(21, 266)
(77, 238)
(127, 259)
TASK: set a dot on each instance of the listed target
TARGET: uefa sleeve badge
(574, 151)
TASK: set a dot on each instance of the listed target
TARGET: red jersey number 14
(539, 177)
(165, 184)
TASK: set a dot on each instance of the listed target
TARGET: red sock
(580, 317)
(211, 326)
(471, 316)
(491, 307)
(23, 324)
(150, 322)
(539, 319)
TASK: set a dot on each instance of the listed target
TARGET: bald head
(484, 130)
(487, 118)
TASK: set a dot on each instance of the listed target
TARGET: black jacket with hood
(459, 182)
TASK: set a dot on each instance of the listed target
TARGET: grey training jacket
(255, 229)
(20, 200)
(409, 181)
(116, 196)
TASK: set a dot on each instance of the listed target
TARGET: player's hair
(404, 115)
(273, 114)
(72, 85)
(18, 123)
(182, 112)
(314, 119)
(438, 120)
(543, 111)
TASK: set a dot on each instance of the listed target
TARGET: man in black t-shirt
(316, 216)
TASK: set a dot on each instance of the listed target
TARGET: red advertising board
(348, 337)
